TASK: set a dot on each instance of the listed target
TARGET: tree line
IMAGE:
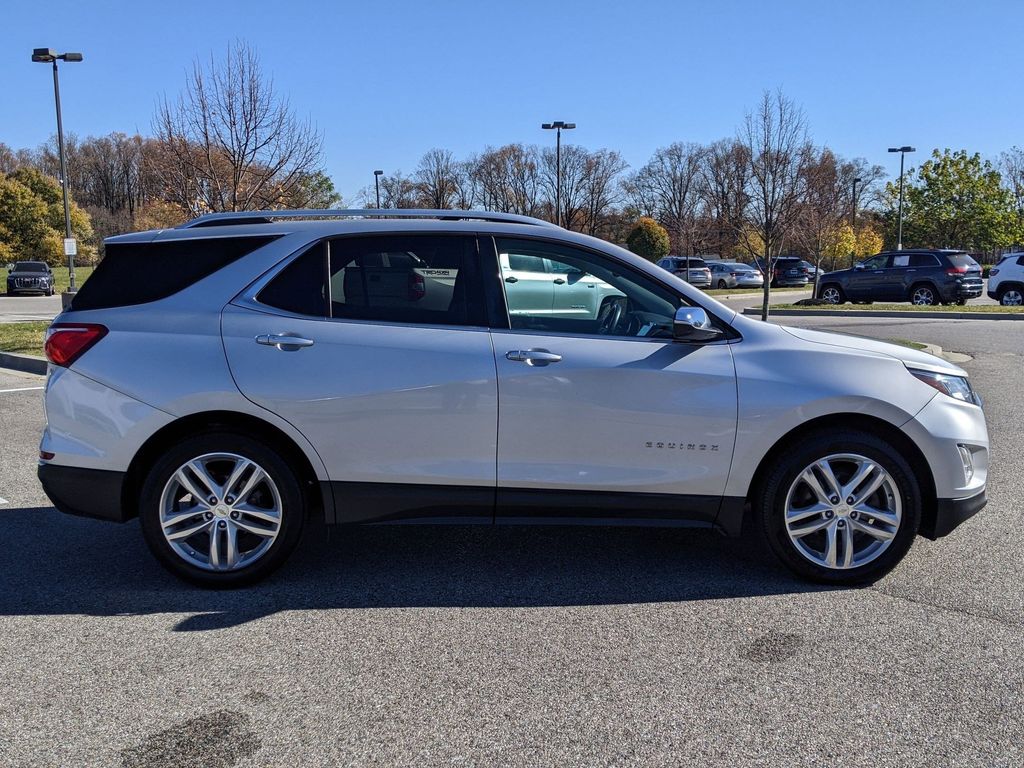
(230, 141)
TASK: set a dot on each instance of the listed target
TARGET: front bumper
(949, 513)
(94, 493)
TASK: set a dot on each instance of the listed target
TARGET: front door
(376, 349)
(869, 282)
(606, 416)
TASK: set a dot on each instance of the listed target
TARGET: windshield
(29, 266)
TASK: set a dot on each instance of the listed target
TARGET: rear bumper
(949, 513)
(82, 492)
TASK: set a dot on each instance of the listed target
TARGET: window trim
(247, 297)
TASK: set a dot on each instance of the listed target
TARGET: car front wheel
(842, 509)
(221, 510)
(832, 294)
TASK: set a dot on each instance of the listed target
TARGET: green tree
(955, 200)
(648, 239)
(32, 218)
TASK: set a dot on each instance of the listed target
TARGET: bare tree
(601, 188)
(437, 178)
(229, 141)
(509, 180)
(667, 187)
(398, 191)
(723, 188)
(775, 138)
(573, 179)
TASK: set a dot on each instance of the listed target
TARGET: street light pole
(48, 55)
(853, 225)
(376, 184)
(903, 153)
(558, 126)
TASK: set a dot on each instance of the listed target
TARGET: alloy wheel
(843, 511)
(831, 295)
(220, 512)
(1012, 297)
(923, 296)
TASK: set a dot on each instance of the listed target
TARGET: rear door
(376, 349)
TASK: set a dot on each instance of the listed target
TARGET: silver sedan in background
(729, 274)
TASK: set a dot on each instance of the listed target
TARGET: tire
(961, 302)
(722, 285)
(924, 295)
(161, 491)
(1011, 296)
(832, 294)
(784, 488)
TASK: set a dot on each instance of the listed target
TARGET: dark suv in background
(788, 271)
(921, 277)
(30, 277)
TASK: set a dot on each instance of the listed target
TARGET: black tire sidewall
(771, 500)
(293, 505)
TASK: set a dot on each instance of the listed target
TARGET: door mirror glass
(692, 324)
(859, 266)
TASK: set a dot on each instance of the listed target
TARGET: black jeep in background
(30, 277)
(919, 276)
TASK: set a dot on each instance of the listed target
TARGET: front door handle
(559, 281)
(283, 341)
(535, 357)
(511, 279)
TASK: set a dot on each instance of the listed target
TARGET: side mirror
(858, 267)
(692, 324)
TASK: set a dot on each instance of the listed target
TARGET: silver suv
(229, 381)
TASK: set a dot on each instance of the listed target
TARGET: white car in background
(1006, 280)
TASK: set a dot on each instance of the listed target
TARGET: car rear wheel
(923, 295)
(1011, 296)
(722, 285)
(843, 508)
(832, 294)
(221, 510)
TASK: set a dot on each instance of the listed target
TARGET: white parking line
(3, 500)
(20, 389)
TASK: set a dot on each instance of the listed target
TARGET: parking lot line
(20, 389)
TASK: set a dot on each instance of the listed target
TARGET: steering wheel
(612, 317)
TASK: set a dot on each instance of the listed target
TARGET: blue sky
(385, 81)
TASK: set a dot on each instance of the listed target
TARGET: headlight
(957, 387)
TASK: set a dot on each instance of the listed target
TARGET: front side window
(585, 294)
(881, 261)
(424, 279)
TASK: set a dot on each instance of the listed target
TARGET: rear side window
(697, 264)
(1020, 260)
(137, 273)
(429, 280)
(923, 260)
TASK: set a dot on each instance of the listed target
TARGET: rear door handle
(511, 279)
(283, 341)
(559, 281)
(533, 357)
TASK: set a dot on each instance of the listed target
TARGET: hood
(839, 272)
(910, 357)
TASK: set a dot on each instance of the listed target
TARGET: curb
(23, 363)
(886, 313)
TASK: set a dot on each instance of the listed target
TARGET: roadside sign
(70, 246)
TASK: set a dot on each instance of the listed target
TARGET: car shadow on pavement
(66, 565)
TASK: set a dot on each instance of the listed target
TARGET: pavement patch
(773, 647)
(217, 740)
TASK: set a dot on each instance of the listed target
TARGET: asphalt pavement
(422, 646)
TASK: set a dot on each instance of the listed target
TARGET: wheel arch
(320, 501)
(1005, 285)
(864, 423)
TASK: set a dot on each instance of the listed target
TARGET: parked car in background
(30, 277)
(787, 272)
(1006, 280)
(922, 277)
(727, 274)
(536, 285)
(692, 269)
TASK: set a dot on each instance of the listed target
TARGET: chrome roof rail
(265, 217)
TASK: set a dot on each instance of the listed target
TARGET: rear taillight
(417, 287)
(956, 271)
(66, 342)
(735, 274)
